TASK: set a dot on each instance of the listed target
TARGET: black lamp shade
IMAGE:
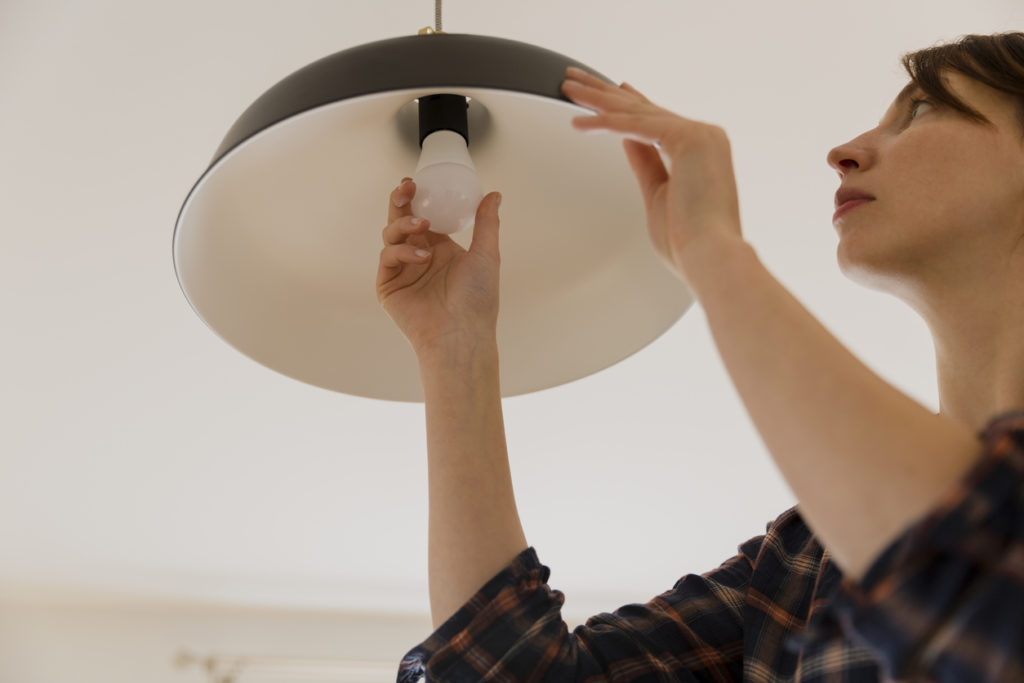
(277, 245)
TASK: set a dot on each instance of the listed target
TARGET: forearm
(474, 527)
(864, 460)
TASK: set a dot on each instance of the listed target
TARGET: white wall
(87, 641)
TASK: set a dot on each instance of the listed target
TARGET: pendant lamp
(277, 245)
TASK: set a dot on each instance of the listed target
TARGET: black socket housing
(444, 112)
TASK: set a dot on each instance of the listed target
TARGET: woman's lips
(849, 206)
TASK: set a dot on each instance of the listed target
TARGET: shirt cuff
(522, 576)
(941, 564)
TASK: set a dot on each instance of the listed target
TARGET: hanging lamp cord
(429, 31)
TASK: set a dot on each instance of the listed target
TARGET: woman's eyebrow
(909, 89)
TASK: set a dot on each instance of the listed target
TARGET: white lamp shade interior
(277, 247)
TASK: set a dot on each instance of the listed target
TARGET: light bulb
(448, 190)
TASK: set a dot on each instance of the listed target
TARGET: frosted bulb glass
(448, 190)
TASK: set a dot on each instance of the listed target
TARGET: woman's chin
(864, 268)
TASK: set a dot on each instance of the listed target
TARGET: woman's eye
(914, 104)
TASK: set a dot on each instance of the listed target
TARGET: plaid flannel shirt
(943, 602)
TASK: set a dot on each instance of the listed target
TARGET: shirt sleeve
(945, 601)
(512, 630)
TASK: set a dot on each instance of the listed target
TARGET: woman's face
(949, 192)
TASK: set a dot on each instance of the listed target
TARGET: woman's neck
(979, 355)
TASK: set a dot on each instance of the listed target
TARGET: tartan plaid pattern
(944, 602)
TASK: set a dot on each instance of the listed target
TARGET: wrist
(457, 347)
(704, 260)
(461, 371)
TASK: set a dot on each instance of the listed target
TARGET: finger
(400, 229)
(400, 202)
(485, 231)
(575, 74)
(597, 98)
(629, 88)
(648, 168)
(646, 128)
(396, 257)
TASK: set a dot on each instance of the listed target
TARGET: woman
(905, 556)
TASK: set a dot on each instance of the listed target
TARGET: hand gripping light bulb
(448, 190)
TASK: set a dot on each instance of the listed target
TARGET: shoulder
(787, 544)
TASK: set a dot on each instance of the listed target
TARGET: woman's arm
(474, 526)
(864, 460)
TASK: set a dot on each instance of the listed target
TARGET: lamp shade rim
(404, 63)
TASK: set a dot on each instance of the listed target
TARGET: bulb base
(444, 147)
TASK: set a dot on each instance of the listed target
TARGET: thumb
(485, 232)
(647, 166)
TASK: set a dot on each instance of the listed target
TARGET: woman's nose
(858, 153)
(844, 158)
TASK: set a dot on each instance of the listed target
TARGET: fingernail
(498, 201)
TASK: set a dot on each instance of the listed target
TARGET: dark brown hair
(995, 60)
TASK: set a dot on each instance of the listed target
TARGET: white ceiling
(141, 455)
